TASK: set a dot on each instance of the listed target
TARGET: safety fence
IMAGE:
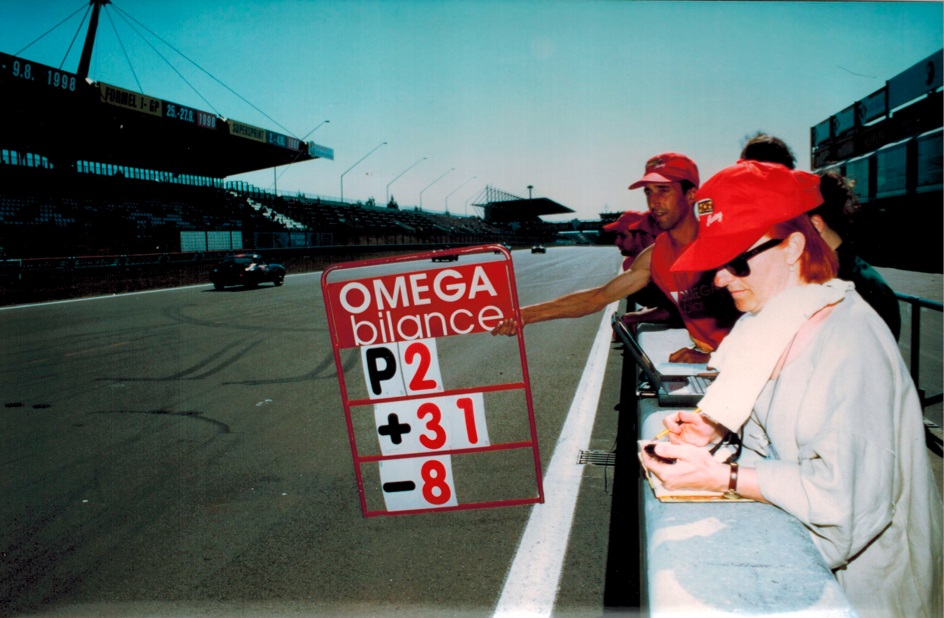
(916, 307)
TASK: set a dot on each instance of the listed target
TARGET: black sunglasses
(739, 266)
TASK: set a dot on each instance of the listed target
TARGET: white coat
(842, 430)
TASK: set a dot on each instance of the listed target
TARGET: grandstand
(890, 143)
(76, 181)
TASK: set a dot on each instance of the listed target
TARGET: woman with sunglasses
(813, 382)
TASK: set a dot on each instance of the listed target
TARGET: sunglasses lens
(738, 267)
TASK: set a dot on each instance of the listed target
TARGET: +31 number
(431, 411)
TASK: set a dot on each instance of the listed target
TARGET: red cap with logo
(668, 167)
(739, 204)
(634, 221)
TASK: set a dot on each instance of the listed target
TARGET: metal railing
(916, 305)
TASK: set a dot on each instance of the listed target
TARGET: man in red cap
(633, 231)
(636, 231)
(670, 183)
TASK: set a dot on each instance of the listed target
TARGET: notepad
(685, 495)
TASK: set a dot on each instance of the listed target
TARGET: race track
(184, 452)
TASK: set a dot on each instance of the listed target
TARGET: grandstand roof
(65, 118)
(522, 209)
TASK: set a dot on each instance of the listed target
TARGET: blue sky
(568, 96)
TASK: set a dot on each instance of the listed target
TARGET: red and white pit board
(439, 413)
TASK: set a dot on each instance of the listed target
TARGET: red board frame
(524, 385)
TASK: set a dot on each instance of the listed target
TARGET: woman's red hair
(818, 263)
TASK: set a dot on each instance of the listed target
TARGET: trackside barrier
(916, 305)
(11, 269)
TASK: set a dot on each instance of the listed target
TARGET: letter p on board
(400, 369)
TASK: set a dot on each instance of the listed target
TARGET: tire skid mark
(322, 371)
(177, 314)
(223, 427)
(190, 372)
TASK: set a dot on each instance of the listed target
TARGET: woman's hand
(693, 468)
(692, 428)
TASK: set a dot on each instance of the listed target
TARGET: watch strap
(732, 482)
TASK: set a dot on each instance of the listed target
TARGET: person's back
(832, 221)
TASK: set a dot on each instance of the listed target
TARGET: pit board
(439, 412)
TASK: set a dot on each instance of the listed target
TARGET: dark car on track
(538, 249)
(247, 269)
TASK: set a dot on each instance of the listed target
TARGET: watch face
(731, 495)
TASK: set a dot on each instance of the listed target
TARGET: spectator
(817, 387)
(634, 232)
(670, 183)
(832, 220)
(763, 147)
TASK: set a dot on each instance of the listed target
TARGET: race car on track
(247, 269)
(440, 257)
(538, 249)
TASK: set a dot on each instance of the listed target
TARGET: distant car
(247, 269)
(538, 249)
(446, 258)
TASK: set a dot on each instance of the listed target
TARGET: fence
(916, 305)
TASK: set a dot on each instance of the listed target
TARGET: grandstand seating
(47, 213)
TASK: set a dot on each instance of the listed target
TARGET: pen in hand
(665, 432)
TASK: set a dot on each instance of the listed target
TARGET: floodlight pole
(355, 165)
(401, 174)
(315, 129)
(451, 169)
(456, 189)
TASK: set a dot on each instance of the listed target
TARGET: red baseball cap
(634, 221)
(739, 204)
(668, 167)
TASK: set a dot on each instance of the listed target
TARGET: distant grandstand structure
(93, 169)
(523, 215)
(890, 143)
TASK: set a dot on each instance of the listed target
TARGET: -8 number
(436, 489)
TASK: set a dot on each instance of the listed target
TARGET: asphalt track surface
(184, 453)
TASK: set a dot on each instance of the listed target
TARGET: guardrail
(916, 305)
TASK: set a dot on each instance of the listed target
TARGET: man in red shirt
(670, 183)
(634, 232)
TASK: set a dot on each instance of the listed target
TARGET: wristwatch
(731, 493)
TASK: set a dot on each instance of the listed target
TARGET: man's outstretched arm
(584, 302)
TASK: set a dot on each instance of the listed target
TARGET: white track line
(122, 295)
(531, 585)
